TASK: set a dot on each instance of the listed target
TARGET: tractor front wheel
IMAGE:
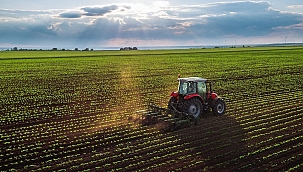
(219, 107)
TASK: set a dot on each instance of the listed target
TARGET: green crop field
(76, 111)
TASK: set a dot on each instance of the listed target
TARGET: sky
(120, 23)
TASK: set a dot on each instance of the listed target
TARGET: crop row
(79, 113)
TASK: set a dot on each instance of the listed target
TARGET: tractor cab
(195, 86)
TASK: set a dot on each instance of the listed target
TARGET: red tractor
(193, 98)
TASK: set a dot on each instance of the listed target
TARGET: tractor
(187, 105)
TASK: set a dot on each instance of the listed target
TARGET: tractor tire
(193, 107)
(171, 100)
(219, 107)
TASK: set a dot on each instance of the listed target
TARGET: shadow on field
(216, 143)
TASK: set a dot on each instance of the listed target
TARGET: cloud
(97, 11)
(92, 11)
(295, 6)
(240, 7)
(196, 24)
(70, 15)
(26, 32)
(161, 3)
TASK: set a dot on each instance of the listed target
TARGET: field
(76, 111)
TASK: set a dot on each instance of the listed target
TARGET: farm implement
(169, 119)
(186, 106)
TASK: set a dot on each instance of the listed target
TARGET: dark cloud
(99, 11)
(27, 32)
(71, 15)
(246, 23)
(92, 11)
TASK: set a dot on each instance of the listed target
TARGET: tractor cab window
(192, 87)
(202, 89)
(187, 88)
(183, 88)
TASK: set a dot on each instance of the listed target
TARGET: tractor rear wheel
(193, 107)
(219, 107)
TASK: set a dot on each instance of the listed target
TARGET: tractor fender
(214, 95)
(194, 95)
(174, 94)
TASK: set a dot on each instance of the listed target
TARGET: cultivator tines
(165, 119)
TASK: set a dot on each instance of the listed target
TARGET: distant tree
(63, 49)
(92, 49)
(86, 49)
(55, 49)
(76, 49)
(129, 48)
(15, 49)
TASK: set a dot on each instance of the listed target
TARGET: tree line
(129, 48)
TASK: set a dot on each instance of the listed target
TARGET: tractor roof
(193, 79)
